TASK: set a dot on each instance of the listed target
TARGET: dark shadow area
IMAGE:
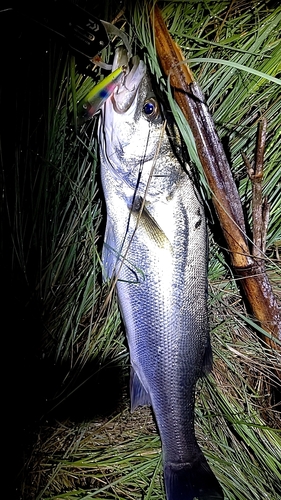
(95, 392)
(33, 387)
(35, 391)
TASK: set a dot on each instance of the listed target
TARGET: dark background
(27, 380)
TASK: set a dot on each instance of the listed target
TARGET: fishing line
(142, 162)
(116, 277)
(149, 178)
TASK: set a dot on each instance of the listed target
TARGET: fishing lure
(99, 94)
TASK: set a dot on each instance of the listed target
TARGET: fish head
(131, 120)
(134, 95)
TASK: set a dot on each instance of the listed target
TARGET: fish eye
(150, 108)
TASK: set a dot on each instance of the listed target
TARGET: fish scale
(156, 249)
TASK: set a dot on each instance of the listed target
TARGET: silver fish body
(156, 249)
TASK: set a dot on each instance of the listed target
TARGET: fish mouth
(125, 92)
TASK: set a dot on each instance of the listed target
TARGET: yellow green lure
(99, 94)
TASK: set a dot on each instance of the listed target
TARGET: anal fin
(139, 396)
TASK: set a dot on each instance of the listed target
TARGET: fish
(156, 254)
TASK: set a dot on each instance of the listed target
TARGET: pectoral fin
(145, 219)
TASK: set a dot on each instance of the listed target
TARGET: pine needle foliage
(233, 49)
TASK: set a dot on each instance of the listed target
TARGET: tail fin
(191, 481)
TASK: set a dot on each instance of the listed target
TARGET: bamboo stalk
(249, 269)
